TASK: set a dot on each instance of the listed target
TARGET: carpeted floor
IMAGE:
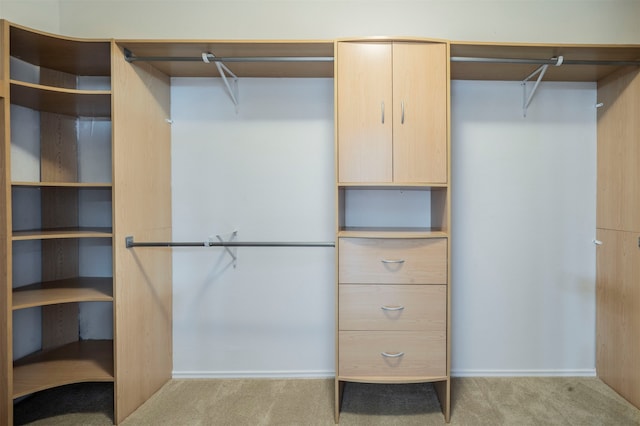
(476, 402)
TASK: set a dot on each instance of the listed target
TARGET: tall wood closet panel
(90, 177)
(618, 223)
(142, 208)
(6, 347)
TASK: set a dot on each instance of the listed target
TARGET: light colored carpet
(476, 402)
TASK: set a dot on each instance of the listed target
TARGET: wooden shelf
(73, 102)
(88, 185)
(239, 48)
(45, 234)
(82, 289)
(84, 361)
(375, 232)
(518, 72)
(406, 186)
(66, 54)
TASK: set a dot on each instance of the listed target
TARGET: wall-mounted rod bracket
(223, 70)
(233, 255)
(541, 70)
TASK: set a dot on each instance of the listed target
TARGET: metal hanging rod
(551, 61)
(130, 243)
(212, 58)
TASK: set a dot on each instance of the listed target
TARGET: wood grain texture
(60, 323)
(59, 162)
(618, 312)
(618, 184)
(141, 208)
(408, 261)
(364, 112)
(66, 54)
(88, 103)
(238, 48)
(6, 336)
(419, 112)
(385, 232)
(517, 72)
(45, 234)
(393, 307)
(424, 354)
(83, 289)
(87, 361)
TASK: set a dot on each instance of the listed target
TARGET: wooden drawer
(392, 261)
(392, 307)
(391, 354)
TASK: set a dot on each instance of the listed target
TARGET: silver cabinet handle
(393, 355)
(392, 308)
(382, 109)
(402, 107)
(392, 261)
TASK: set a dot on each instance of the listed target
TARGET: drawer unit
(392, 354)
(393, 307)
(392, 261)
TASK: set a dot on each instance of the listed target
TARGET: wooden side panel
(618, 312)
(420, 112)
(618, 189)
(6, 345)
(141, 208)
(365, 112)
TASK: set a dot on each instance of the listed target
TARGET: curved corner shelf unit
(59, 196)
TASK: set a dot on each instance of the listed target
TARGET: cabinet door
(618, 312)
(619, 151)
(364, 112)
(420, 113)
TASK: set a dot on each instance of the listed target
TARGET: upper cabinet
(392, 112)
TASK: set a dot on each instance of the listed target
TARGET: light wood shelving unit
(41, 74)
(393, 291)
(136, 104)
(66, 206)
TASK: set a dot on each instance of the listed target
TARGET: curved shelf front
(82, 289)
(73, 102)
(390, 232)
(88, 185)
(49, 234)
(66, 54)
(77, 362)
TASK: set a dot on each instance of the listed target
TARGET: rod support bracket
(128, 241)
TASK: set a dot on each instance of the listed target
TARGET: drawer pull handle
(392, 308)
(393, 355)
(392, 261)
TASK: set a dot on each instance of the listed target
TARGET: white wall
(43, 15)
(267, 172)
(596, 21)
(523, 218)
(524, 196)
